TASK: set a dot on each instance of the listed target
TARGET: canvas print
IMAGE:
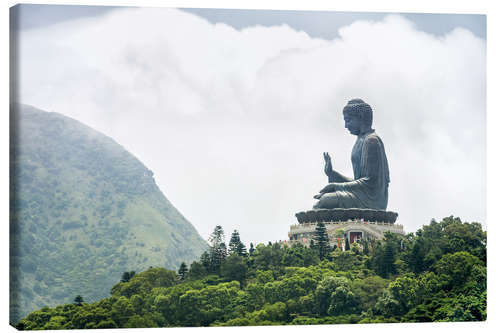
(183, 167)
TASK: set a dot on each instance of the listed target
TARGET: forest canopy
(435, 274)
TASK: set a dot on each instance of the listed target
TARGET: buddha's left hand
(328, 188)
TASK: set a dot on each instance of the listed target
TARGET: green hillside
(82, 211)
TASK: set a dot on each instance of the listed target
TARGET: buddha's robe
(369, 188)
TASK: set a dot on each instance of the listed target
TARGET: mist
(233, 123)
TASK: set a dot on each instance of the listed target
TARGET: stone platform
(355, 224)
(346, 214)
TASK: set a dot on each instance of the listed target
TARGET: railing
(313, 224)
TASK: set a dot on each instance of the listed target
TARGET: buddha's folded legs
(337, 200)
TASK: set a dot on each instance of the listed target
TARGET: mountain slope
(82, 211)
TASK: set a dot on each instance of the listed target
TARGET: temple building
(340, 227)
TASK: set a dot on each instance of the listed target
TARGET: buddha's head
(358, 116)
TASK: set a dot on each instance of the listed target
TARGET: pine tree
(251, 250)
(78, 300)
(236, 246)
(364, 244)
(217, 249)
(233, 243)
(241, 249)
(416, 257)
(205, 261)
(182, 271)
(126, 276)
(388, 261)
(347, 245)
(216, 237)
(221, 254)
(321, 242)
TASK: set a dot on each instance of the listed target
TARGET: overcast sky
(232, 110)
(323, 24)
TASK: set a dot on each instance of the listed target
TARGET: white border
(421, 6)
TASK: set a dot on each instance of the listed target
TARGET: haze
(233, 121)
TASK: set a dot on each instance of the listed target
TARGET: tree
(347, 245)
(235, 268)
(345, 260)
(343, 301)
(269, 257)
(365, 246)
(451, 235)
(220, 256)
(183, 271)
(299, 255)
(205, 261)
(236, 246)
(78, 300)
(407, 292)
(416, 257)
(388, 267)
(121, 311)
(333, 295)
(369, 289)
(458, 268)
(383, 260)
(233, 243)
(252, 249)
(321, 240)
(126, 276)
(196, 270)
(241, 250)
(143, 282)
(217, 249)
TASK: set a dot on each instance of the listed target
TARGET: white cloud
(234, 123)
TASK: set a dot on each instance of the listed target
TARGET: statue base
(346, 214)
(344, 224)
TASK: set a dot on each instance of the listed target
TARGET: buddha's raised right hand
(328, 164)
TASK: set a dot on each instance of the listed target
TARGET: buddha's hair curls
(357, 107)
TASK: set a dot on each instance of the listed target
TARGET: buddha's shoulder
(372, 138)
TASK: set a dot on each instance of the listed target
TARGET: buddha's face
(353, 124)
